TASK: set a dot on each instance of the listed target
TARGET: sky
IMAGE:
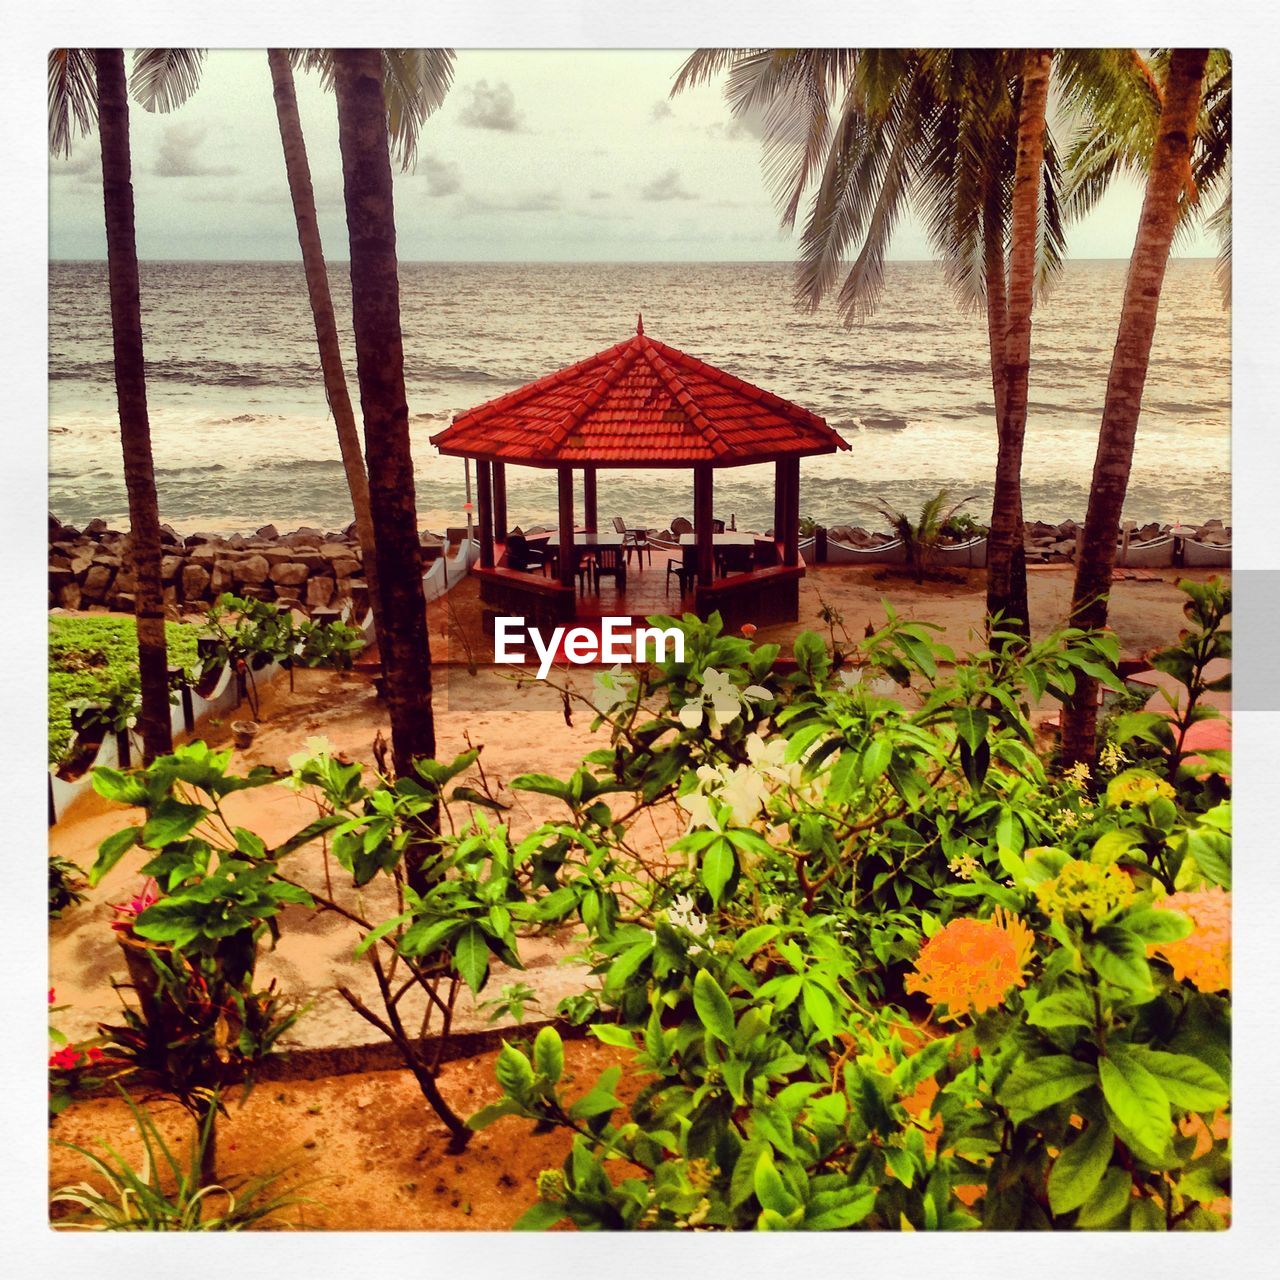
(549, 155)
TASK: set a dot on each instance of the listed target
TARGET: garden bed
(92, 657)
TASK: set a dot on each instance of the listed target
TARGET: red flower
(67, 1059)
(94, 1054)
(749, 629)
(51, 995)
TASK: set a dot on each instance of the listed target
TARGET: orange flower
(1203, 957)
(972, 964)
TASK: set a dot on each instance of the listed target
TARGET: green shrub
(97, 659)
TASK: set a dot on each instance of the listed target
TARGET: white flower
(744, 790)
(609, 688)
(311, 749)
(683, 914)
(726, 701)
(882, 687)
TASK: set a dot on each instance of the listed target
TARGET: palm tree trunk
(1166, 184)
(313, 264)
(1006, 568)
(131, 401)
(375, 307)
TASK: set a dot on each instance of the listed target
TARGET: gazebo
(639, 404)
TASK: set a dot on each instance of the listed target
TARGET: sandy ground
(365, 1147)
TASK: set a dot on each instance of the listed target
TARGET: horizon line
(594, 262)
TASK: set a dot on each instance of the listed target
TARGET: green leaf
(770, 1189)
(171, 820)
(514, 1072)
(374, 935)
(1108, 1202)
(839, 1210)
(123, 788)
(494, 1111)
(111, 850)
(1044, 1082)
(1078, 1170)
(755, 938)
(548, 1055)
(611, 1033)
(1121, 958)
(718, 865)
(1186, 1081)
(972, 725)
(600, 1099)
(540, 1216)
(471, 957)
(1136, 1096)
(713, 1007)
(817, 1004)
(1158, 926)
(876, 760)
(1070, 1007)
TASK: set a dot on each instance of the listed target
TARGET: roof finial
(639, 324)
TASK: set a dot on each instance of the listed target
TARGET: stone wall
(89, 568)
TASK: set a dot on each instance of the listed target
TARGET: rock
(171, 595)
(57, 561)
(335, 551)
(319, 592)
(288, 595)
(69, 596)
(110, 559)
(96, 527)
(126, 580)
(96, 581)
(222, 578)
(252, 571)
(346, 568)
(236, 541)
(169, 536)
(196, 539)
(351, 531)
(288, 574)
(124, 602)
(195, 582)
(303, 537)
(170, 567)
(1147, 532)
(60, 576)
(268, 532)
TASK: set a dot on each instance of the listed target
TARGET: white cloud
(491, 108)
(666, 187)
(177, 158)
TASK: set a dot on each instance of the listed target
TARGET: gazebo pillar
(484, 500)
(589, 499)
(789, 478)
(703, 507)
(779, 499)
(500, 501)
(564, 484)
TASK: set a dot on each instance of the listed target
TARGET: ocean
(242, 434)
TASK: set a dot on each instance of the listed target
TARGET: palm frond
(163, 79)
(73, 97)
(415, 82)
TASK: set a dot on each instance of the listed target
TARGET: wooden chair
(685, 569)
(610, 562)
(633, 541)
(766, 553)
(526, 556)
(735, 559)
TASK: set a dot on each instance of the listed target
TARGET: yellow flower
(971, 965)
(1203, 957)
(1085, 889)
(1078, 774)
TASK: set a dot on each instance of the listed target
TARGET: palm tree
(875, 131)
(1169, 195)
(375, 308)
(85, 87)
(415, 82)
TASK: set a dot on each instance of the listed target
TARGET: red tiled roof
(640, 403)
